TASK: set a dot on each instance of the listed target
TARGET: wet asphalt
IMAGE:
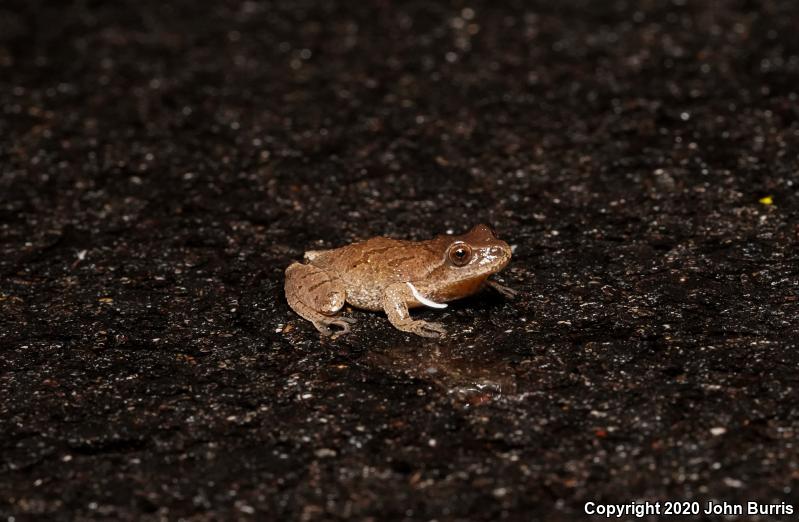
(161, 163)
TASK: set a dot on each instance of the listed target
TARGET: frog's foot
(506, 291)
(424, 328)
(342, 322)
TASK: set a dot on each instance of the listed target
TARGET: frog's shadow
(484, 300)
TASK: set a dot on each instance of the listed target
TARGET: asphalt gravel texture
(161, 163)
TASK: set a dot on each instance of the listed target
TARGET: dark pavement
(161, 163)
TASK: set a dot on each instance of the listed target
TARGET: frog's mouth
(422, 299)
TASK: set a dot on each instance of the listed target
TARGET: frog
(395, 276)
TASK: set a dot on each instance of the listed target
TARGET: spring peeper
(394, 276)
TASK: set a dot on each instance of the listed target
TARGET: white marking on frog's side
(422, 299)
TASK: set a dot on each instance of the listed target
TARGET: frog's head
(478, 252)
(470, 258)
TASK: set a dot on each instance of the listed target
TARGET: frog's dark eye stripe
(460, 254)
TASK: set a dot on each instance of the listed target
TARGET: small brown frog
(395, 275)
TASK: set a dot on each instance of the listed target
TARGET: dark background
(161, 163)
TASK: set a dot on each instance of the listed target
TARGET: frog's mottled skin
(375, 275)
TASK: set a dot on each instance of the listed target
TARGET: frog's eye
(460, 254)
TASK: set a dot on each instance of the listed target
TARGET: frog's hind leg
(317, 295)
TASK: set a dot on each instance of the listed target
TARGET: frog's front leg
(506, 291)
(317, 295)
(395, 302)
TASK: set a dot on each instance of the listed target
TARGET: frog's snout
(499, 254)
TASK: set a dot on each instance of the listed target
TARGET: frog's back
(365, 257)
(342, 257)
(368, 267)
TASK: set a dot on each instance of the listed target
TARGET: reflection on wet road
(470, 374)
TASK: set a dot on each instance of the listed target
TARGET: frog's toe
(506, 291)
(323, 329)
(343, 323)
(427, 329)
